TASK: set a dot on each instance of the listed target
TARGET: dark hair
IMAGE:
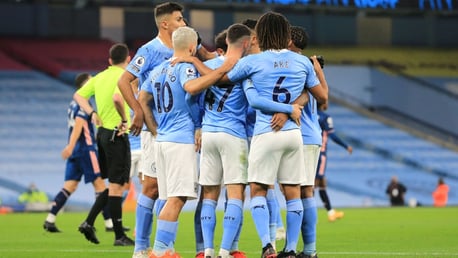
(237, 31)
(118, 53)
(167, 8)
(80, 79)
(273, 31)
(250, 23)
(299, 37)
(220, 40)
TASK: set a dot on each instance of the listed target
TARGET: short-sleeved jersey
(147, 58)
(279, 75)
(103, 86)
(250, 121)
(327, 127)
(225, 108)
(310, 127)
(165, 84)
(86, 141)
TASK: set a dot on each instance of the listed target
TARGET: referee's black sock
(98, 205)
(115, 205)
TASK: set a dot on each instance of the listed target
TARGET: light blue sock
(309, 225)
(231, 222)
(143, 222)
(165, 235)
(235, 243)
(279, 218)
(273, 213)
(198, 228)
(208, 220)
(294, 214)
(159, 205)
(260, 214)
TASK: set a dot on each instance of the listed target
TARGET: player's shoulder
(214, 62)
(153, 48)
(73, 106)
(159, 69)
(299, 58)
(186, 69)
(149, 45)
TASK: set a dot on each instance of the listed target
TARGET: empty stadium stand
(60, 58)
(33, 108)
(382, 151)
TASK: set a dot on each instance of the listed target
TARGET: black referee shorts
(114, 156)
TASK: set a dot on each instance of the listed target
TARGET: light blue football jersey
(250, 121)
(310, 126)
(225, 107)
(147, 58)
(174, 119)
(278, 75)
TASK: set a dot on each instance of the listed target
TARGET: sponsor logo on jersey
(140, 61)
(190, 72)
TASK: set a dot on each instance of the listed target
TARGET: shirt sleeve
(194, 106)
(329, 127)
(141, 62)
(147, 85)
(186, 73)
(240, 71)
(312, 79)
(88, 89)
(82, 114)
(262, 103)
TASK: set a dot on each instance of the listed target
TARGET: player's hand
(66, 152)
(229, 62)
(316, 64)
(137, 123)
(153, 132)
(176, 60)
(296, 114)
(278, 121)
(198, 139)
(350, 149)
(122, 128)
(96, 119)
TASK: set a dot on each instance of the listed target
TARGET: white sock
(224, 253)
(108, 223)
(209, 252)
(51, 218)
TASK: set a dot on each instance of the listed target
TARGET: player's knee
(211, 192)
(307, 192)
(152, 193)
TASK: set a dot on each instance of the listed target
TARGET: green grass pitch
(363, 232)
